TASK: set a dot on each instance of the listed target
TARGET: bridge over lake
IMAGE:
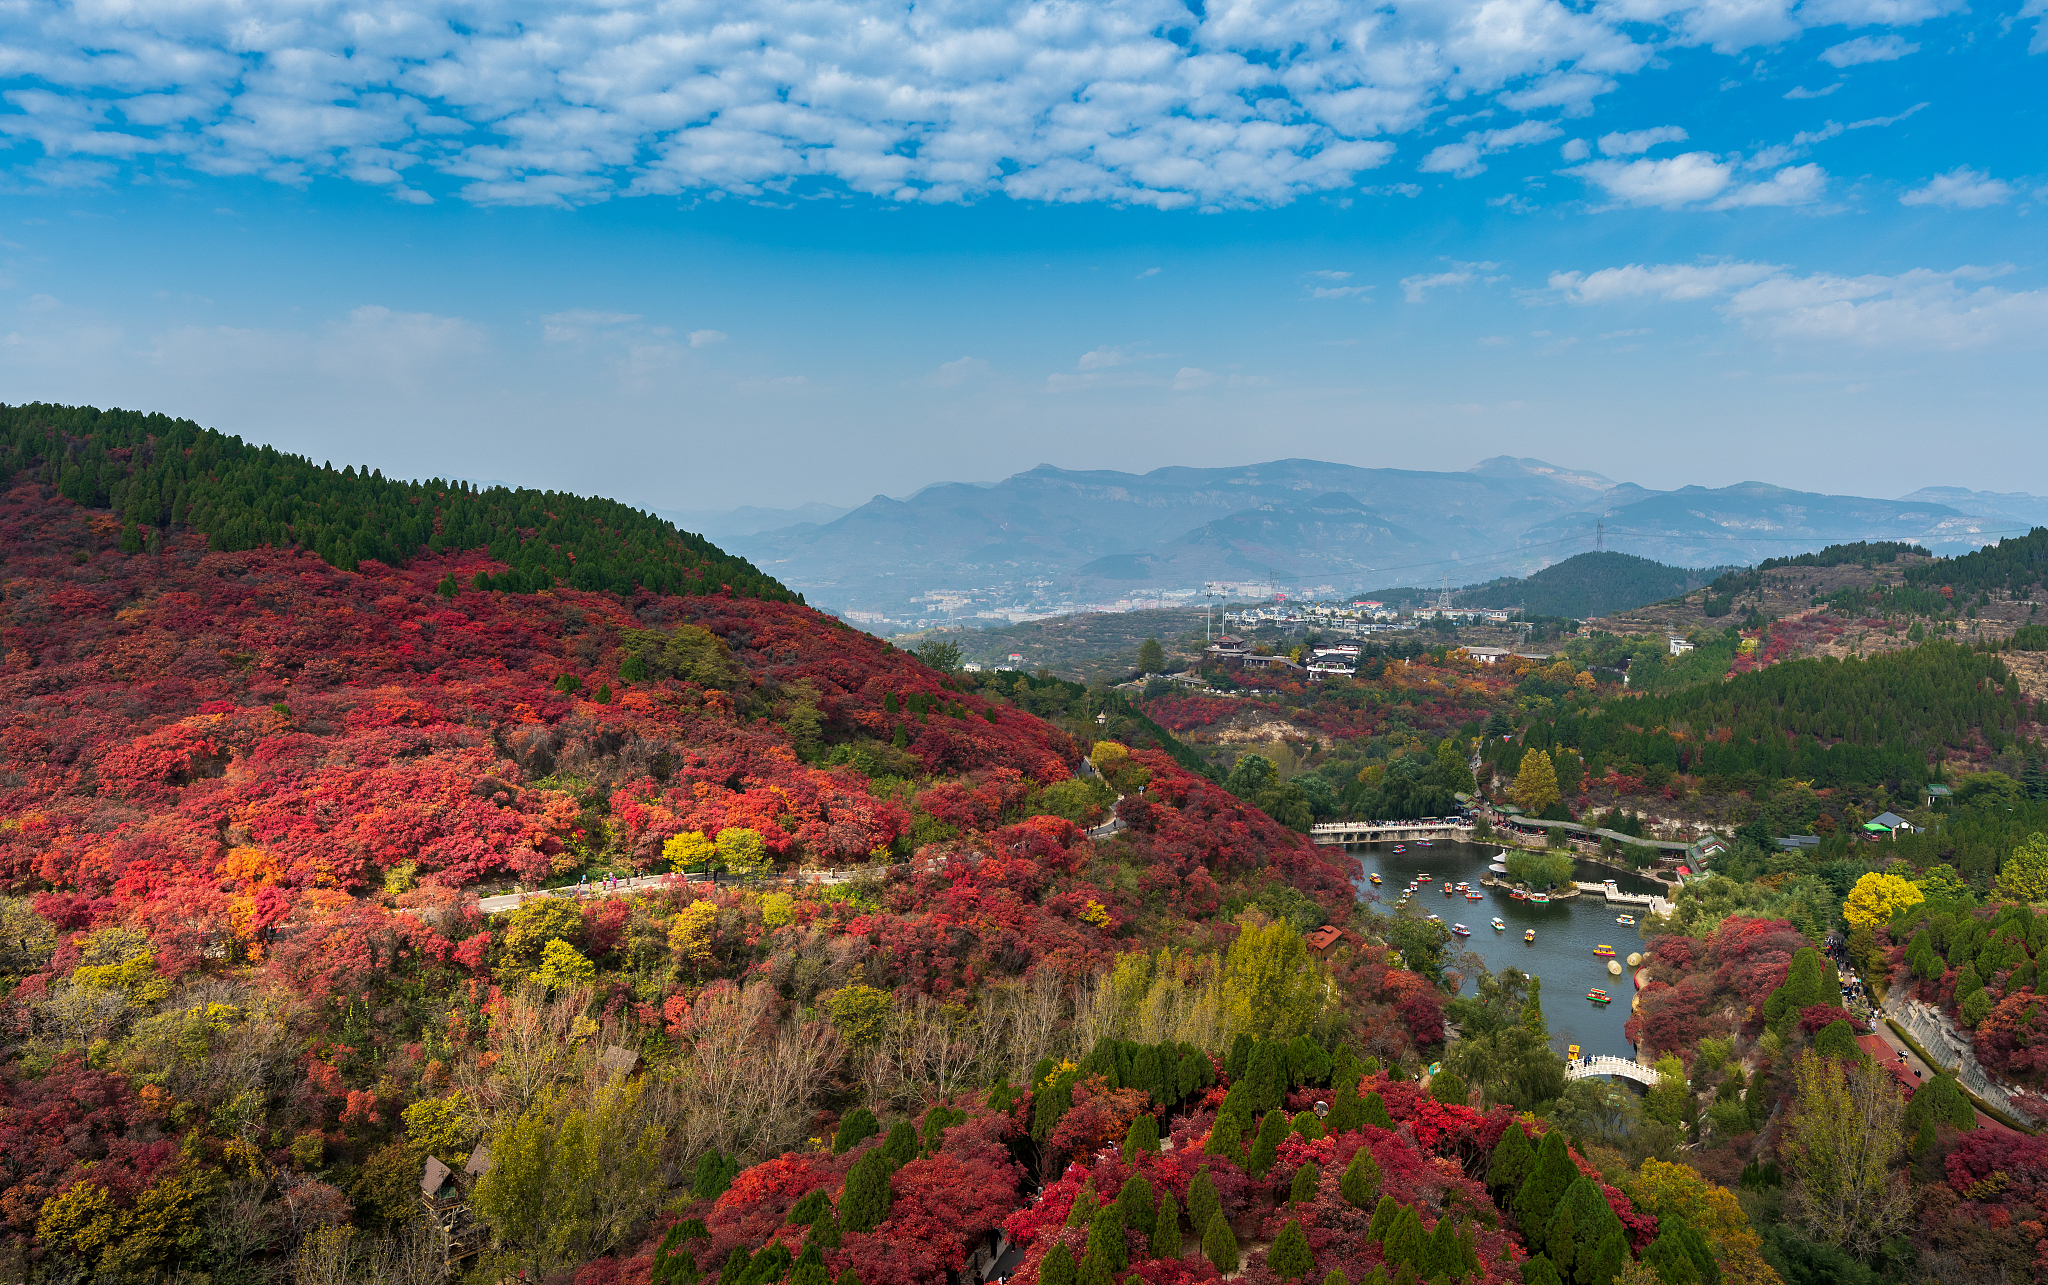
(1584, 1068)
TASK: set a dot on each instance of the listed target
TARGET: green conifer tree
(1085, 1204)
(1135, 1203)
(1361, 1181)
(1513, 1157)
(735, 1267)
(824, 1233)
(1106, 1237)
(848, 1277)
(1057, 1267)
(1609, 1257)
(1224, 1139)
(810, 1268)
(1290, 1258)
(1575, 1232)
(1266, 1151)
(1545, 1186)
(1383, 1216)
(1166, 1227)
(1439, 1251)
(1447, 1088)
(1680, 1255)
(807, 1211)
(1403, 1240)
(858, 1126)
(1540, 1271)
(1373, 1111)
(1203, 1202)
(1239, 1056)
(768, 1265)
(864, 1202)
(901, 1144)
(1094, 1270)
(1267, 1076)
(1532, 1012)
(1335, 1278)
(1309, 1125)
(1219, 1245)
(1343, 1117)
(1143, 1136)
(1308, 1180)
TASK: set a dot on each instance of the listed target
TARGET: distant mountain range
(1055, 539)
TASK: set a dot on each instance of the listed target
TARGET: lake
(1566, 932)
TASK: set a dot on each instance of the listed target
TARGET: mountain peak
(1523, 466)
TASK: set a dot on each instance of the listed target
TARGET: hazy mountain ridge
(1053, 538)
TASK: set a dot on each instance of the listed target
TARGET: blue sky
(698, 255)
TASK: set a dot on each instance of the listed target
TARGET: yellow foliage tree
(1272, 989)
(691, 934)
(1876, 897)
(2025, 874)
(742, 850)
(1672, 1189)
(689, 850)
(1535, 786)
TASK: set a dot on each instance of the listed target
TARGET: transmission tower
(1599, 536)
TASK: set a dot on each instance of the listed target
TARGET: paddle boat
(1461, 930)
(1519, 895)
(1605, 952)
(1530, 935)
(1499, 926)
(1436, 919)
(1450, 891)
(1375, 877)
(1423, 843)
(1539, 898)
(1626, 921)
(1599, 996)
(1475, 895)
(1424, 876)
(1400, 848)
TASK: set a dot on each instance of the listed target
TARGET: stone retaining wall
(1952, 1049)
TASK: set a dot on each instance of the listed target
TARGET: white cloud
(954, 373)
(1106, 357)
(1149, 272)
(1462, 159)
(1702, 179)
(1132, 101)
(1692, 176)
(2036, 9)
(704, 338)
(580, 323)
(1577, 149)
(1911, 311)
(1413, 288)
(1637, 141)
(1962, 188)
(1801, 91)
(1793, 185)
(1189, 378)
(1674, 282)
(1863, 49)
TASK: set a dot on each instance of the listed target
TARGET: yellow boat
(1530, 935)
(1375, 878)
(1605, 952)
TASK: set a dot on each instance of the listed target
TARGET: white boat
(1499, 926)
(1625, 920)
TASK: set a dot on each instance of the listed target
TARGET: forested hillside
(896, 997)
(1588, 584)
(157, 473)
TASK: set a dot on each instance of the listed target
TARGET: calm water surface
(1566, 932)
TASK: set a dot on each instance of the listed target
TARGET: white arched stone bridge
(1586, 1067)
